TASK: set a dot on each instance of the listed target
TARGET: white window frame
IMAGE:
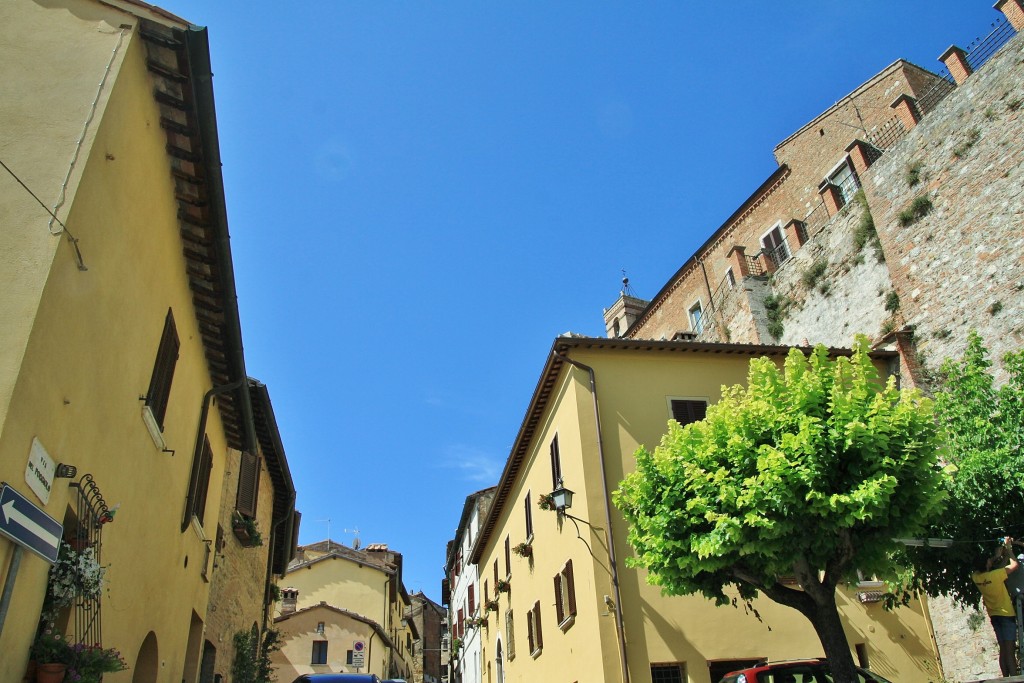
(696, 326)
(782, 242)
(845, 161)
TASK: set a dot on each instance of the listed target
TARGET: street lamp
(561, 497)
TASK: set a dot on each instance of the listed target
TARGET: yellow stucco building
(566, 608)
(336, 597)
(121, 351)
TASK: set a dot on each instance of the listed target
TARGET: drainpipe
(200, 439)
(270, 561)
(369, 650)
(620, 629)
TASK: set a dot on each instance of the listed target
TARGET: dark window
(684, 412)
(163, 371)
(319, 652)
(556, 465)
(198, 485)
(472, 600)
(508, 558)
(495, 577)
(348, 657)
(529, 516)
(533, 630)
(248, 484)
(565, 596)
(668, 673)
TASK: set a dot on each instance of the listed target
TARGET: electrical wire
(64, 229)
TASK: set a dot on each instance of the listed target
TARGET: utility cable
(64, 229)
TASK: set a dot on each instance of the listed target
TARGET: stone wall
(961, 266)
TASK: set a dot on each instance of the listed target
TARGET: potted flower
(92, 661)
(545, 501)
(245, 530)
(502, 586)
(491, 605)
(523, 550)
(52, 655)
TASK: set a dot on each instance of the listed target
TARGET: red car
(802, 671)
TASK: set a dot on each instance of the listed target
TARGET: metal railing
(92, 513)
(978, 52)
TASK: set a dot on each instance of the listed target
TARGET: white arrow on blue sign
(27, 525)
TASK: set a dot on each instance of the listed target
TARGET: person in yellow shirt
(998, 603)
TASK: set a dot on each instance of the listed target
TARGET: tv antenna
(355, 541)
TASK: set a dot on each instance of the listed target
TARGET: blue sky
(422, 196)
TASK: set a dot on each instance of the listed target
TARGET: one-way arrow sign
(27, 525)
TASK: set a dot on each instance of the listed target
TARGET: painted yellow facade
(353, 592)
(83, 322)
(635, 383)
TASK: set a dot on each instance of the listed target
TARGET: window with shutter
(529, 517)
(508, 557)
(685, 411)
(163, 371)
(556, 464)
(565, 597)
(510, 636)
(198, 486)
(472, 601)
(534, 633)
(248, 484)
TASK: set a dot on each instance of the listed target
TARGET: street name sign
(28, 526)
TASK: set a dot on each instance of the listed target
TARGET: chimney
(289, 598)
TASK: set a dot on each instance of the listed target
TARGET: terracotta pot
(50, 673)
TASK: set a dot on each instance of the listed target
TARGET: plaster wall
(88, 355)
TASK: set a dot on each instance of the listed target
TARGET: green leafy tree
(983, 427)
(809, 471)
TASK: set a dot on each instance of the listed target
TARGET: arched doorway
(499, 663)
(147, 662)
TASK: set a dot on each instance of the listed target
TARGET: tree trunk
(829, 627)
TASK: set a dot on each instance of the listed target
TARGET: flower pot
(50, 673)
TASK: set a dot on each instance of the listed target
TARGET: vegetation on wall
(776, 307)
(983, 428)
(812, 277)
(892, 301)
(914, 172)
(918, 209)
(252, 656)
(864, 233)
(823, 444)
(973, 135)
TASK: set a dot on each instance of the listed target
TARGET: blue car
(337, 678)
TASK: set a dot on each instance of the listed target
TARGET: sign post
(29, 527)
(358, 655)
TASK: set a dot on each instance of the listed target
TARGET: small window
(697, 318)
(529, 516)
(510, 636)
(668, 673)
(508, 557)
(730, 277)
(163, 371)
(565, 597)
(534, 634)
(685, 411)
(556, 464)
(320, 627)
(348, 657)
(319, 652)
(495, 576)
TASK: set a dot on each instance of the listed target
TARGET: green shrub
(973, 135)
(892, 301)
(918, 209)
(914, 172)
(813, 274)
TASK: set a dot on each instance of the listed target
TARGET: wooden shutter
(203, 481)
(570, 589)
(248, 484)
(684, 412)
(495, 577)
(472, 600)
(530, 621)
(559, 607)
(508, 557)
(163, 371)
(529, 515)
(556, 464)
(536, 625)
